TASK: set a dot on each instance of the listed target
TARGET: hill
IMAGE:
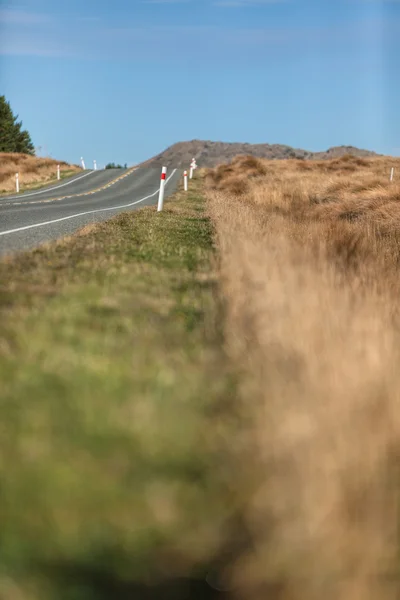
(33, 171)
(211, 154)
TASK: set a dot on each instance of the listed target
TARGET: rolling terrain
(207, 397)
(211, 154)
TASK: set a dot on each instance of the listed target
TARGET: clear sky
(120, 80)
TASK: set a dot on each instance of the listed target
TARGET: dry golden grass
(32, 170)
(114, 395)
(309, 256)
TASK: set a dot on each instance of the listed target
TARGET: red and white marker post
(58, 172)
(162, 189)
(17, 182)
(185, 181)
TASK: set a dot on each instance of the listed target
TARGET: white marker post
(162, 189)
(193, 166)
(185, 181)
(58, 172)
(83, 163)
(95, 165)
(17, 182)
(391, 174)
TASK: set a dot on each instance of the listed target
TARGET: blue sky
(121, 80)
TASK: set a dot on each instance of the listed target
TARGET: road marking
(88, 212)
(48, 189)
(57, 199)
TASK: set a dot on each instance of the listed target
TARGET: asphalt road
(82, 181)
(29, 219)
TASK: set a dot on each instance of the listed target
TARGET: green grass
(113, 407)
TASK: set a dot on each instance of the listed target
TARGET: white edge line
(88, 212)
(49, 189)
(78, 195)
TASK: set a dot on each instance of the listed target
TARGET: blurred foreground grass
(113, 401)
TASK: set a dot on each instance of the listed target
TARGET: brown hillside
(211, 154)
(33, 171)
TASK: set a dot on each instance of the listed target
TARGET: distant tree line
(114, 166)
(12, 137)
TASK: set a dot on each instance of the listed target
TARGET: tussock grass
(33, 171)
(138, 457)
(309, 267)
(114, 467)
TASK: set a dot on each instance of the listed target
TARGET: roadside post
(17, 182)
(83, 163)
(58, 172)
(391, 174)
(95, 165)
(162, 189)
(185, 181)
(193, 166)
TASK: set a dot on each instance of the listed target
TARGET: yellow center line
(58, 198)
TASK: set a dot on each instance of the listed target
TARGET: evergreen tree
(23, 142)
(6, 126)
(12, 137)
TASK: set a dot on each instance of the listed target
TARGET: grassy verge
(34, 171)
(112, 428)
(37, 185)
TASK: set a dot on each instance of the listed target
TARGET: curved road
(32, 218)
(70, 184)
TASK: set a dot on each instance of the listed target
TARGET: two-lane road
(30, 219)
